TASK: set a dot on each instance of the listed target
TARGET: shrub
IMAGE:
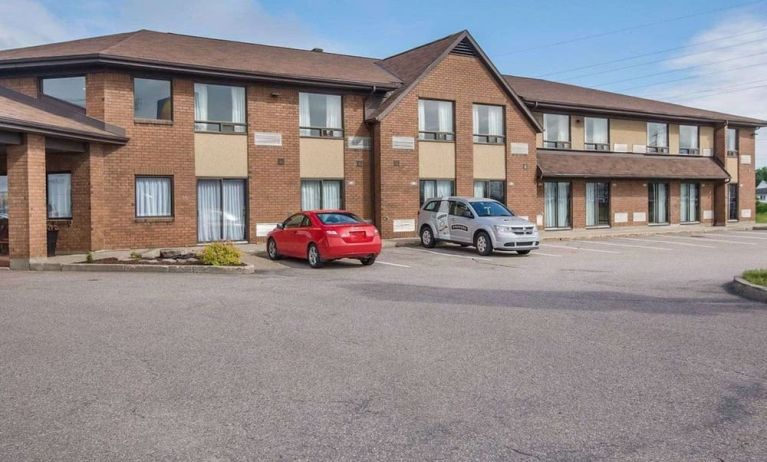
(761, 207)
(89, 258)
(758, 276)
(221, 254)
(135, 256)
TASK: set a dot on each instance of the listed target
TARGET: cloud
(28, 22)
(731, 79)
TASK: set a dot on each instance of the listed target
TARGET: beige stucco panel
(489, 162)
(706, 138)
(436, 159)
(673, 139)
(731, 166)
(219, 155)
(577, 133)
(321, 158)
(631, 132)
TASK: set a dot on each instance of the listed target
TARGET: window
(436, 188)
(219, 108)
(295, 221)
(3, 197)
(657, 206)
(460, 209)
(657, 137)
(69, 89)
(556, 131)
(689, 200)
(732, 142)
(557, 204)
(60, 196)
(597, 134)
(432, 206)
(221, 210)
(688, 139)
(320, 115)
(151, 99)
(435, 120)
(321, 194)
(339, 218)
(154, 196)
(491, 209)
(732, 194)
(491, 190)
(597, 204)
(488, 124)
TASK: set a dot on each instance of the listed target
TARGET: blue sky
(690, 48)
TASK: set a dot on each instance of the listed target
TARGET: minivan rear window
(491, 209)
(339, 218)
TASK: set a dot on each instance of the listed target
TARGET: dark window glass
(688, 202)
(294, 221)
(557, 204)
(491, 209)
(339, 218)
(491, 189)
(436, 188)
(69, 89)
(3, 197)
(460, 209)
(657, 206)
(597, 204)
(732, 190)
(430, 207)
(151, 99)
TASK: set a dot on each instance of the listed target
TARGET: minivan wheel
(271, 250)
(483, 244)
(367, 261)
(313, 255)
(523, 252)
(427, 238)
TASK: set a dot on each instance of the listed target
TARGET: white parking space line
(575, 249)
(668, 242)
(710, 239)
(625, 245)
(742, 236)
(392, 264)
(543, 254)
(451, 255)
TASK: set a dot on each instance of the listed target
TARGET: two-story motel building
(149, 139)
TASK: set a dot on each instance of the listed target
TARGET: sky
(702, 53)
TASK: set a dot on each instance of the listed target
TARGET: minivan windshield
(339, 218)
(491, 209)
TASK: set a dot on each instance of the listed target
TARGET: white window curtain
(311, 195)
(660, 197)
(689, 202)
(209, 210)
(732, 139)
(153, 197)
(421, 115)
(563, 202)
(200, 102)
(476, 115)
(495, 121)
(596, 130)
(555, 127)
(591, 206)
(238, 105)
(332, 111)
(657, 135)
(60, 195)
(479, 189)
(234, 210)
(304, 114)
(331, 194)
(550, 192)
(429, 189)
(445, 111)
(444, 188)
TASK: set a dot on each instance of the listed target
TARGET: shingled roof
(545, 92)
(25, 114)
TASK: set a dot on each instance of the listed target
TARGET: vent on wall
(465, 48)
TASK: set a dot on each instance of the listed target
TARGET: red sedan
(324, 235)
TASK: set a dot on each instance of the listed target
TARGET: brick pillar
(96, 197)
(27, 205)
(720, 187)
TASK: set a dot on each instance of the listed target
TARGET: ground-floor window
(59, 196)
(657, 204)
(597, 204)
(436, 188)
(732, 194)
(221, 210)
(557, 204)
(491, 190)
(689, 202)
(3, 196)
(321, 194)
(154, 196)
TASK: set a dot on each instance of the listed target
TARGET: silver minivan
(484, 223)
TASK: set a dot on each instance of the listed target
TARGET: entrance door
(221, 210)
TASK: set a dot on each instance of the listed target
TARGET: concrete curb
(747, 290)
(117, 268)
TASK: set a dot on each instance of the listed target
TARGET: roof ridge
(425, 44)
(129, 35)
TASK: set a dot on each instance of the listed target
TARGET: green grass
(758, 277)
(761, 212)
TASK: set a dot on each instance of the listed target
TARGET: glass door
(221, 210)
(3, 216)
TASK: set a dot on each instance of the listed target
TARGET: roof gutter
(25, 127)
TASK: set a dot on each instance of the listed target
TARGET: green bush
(761, 207)
(221, 254)
(758, 276)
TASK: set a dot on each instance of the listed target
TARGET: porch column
(27, 204)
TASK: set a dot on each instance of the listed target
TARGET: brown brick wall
(26, 199)
(747, 173)
(25, 85)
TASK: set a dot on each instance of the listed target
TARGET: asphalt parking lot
(612, 349)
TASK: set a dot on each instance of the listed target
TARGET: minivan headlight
(504, 229)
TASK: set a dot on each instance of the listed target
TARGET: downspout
(371, 160)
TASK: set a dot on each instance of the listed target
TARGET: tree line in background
(761, 174)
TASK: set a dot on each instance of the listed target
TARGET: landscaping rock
(169, 253)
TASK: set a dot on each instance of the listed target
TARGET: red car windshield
(339, 219)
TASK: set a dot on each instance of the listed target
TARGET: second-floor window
(732, 141)
(596, 134)
(488, 124)
(688, 139)
(219, 108)
(151, 99)
(435, 120)
(320, 115)
(657, 137)
(556, 131)
(69, 89)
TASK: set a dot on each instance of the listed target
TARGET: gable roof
(159, 50)
(22, 113)
(413, 65)
(546, 92)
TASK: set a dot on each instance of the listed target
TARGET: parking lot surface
(614, 349)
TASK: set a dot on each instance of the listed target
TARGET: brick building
(148, 139)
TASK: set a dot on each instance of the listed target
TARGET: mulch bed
(143, 261)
